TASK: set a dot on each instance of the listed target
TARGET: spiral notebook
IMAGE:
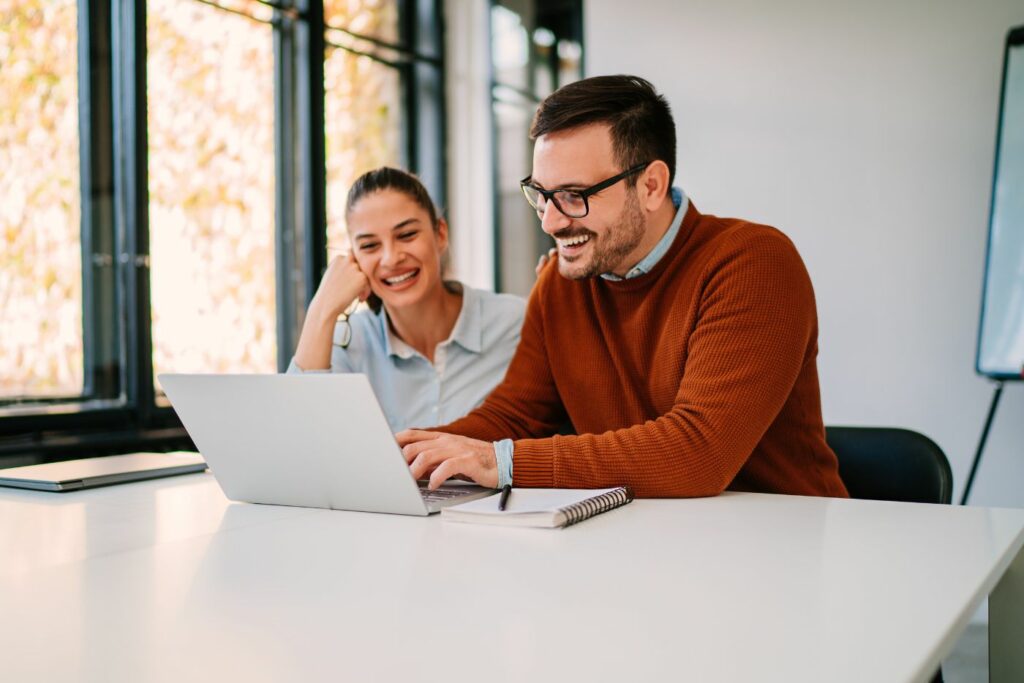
(540, 507)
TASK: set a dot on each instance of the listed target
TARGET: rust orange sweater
(697, 377)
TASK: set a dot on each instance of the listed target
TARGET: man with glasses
(680, 347)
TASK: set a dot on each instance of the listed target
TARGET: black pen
(503, 501)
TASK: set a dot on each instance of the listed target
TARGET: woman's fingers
(544, 258)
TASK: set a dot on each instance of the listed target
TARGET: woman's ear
(442, 234)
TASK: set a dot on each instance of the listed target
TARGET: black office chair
(886, 463)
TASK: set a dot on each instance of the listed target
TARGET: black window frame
(119, 410)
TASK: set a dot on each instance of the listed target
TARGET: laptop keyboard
(441, 495)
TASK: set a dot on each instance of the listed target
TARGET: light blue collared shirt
(417, 393)
(503, 450)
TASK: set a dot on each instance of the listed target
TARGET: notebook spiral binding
(585, 509)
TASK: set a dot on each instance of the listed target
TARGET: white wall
(866, 132)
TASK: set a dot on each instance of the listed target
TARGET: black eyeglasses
(346, 326)
(572, 203)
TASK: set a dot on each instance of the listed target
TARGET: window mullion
(131, 212)
(284, 162)
(311, 230)
(99, 319)
(91, 255)
(423, 84)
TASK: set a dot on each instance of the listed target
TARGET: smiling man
(680, 347)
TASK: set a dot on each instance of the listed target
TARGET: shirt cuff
(503, 455)
(294, 369)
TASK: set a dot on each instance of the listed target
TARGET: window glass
(363, 113)
(220, 221)
(41, 345)
(211, 187)
(510, 48)
(535, 49)
(371, 18)
(522, 241)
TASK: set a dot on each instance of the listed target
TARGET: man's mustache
(569, 233)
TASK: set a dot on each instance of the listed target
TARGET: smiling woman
(433, 349)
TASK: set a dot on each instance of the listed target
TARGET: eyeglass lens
(572, 204)
(346, 332)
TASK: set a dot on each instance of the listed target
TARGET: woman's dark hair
(641, 122)
(388, 178)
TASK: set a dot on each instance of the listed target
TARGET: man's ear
(654, 185)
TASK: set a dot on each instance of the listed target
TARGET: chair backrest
(886, 463)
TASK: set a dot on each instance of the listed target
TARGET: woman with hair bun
(432, 348)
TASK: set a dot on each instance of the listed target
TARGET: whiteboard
(1001, 331)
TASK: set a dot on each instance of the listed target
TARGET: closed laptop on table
(71, 475)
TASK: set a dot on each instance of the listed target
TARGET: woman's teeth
(398, 279)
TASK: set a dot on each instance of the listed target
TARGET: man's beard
(614, 245)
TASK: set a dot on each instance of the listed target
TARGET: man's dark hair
(641, 122)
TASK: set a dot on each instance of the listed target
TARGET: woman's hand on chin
(343, 282)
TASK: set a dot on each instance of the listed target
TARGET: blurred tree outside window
(172, 175)
(211, 163)
(41, 342)
(210, 78)
(362, 105)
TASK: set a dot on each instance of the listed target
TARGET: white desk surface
(166, 581)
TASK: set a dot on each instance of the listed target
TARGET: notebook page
(524, 501)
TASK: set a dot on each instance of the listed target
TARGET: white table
(168, 581)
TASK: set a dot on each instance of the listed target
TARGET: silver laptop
(85, 473)
(309, 440)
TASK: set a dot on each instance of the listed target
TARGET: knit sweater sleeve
(755, 330)
(526, 403)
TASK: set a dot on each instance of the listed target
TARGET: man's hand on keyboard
(444, 456)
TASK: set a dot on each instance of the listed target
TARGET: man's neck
(658, 223)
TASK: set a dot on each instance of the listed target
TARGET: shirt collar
(647, 263)
(393, 345)
(467, 333)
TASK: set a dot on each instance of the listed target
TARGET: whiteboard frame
(1014, 37)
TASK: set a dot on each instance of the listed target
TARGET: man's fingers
(408, 436)
(446, 456)
(412, 450)
(426, 456)
(448, 469)
(427, 460)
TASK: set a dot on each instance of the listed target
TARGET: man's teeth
(573, 241)
(399, 278)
